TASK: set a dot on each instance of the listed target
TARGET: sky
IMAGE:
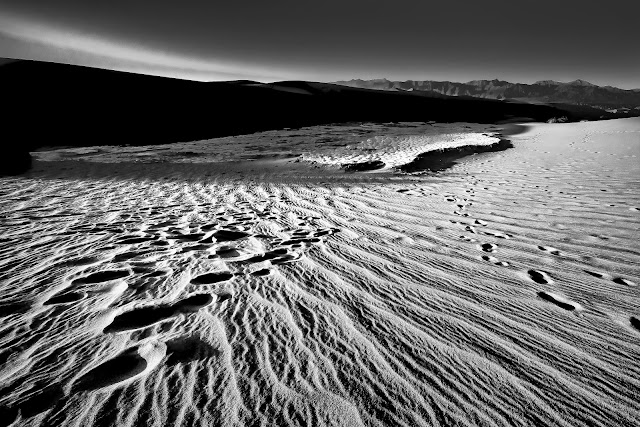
(270, 40)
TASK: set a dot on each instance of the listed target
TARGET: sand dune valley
(252, 281)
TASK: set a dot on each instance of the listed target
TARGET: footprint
(488, 247)
(129, 365)
(210, 278)
(325, 232)
(223, 296)
(229, 235)
(290, 257)
(146, 316)
(66, 298)
(495, 260)
(193, 303)
(129, 255)
(270, 255)
(227, 252)
(139, 318)
(552, 251)
(499, 235)
(261, 273)
(621, 281)
(403, 240)
(540, 277)
(559, 301)
(595, 274)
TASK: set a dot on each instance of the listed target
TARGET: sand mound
(383, 152)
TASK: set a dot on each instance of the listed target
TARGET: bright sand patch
(174, 291)
(396, 151)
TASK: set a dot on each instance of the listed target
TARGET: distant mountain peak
(486, 82)
(579, 92)
(580, 82)
(547, 83)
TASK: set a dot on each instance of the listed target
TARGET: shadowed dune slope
(56, 104)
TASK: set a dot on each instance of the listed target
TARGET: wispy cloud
(36, 40)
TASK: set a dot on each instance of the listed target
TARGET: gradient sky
(520, 41)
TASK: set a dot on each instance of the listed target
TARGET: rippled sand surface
(503, 291)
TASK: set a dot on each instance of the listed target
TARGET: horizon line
(186, 78)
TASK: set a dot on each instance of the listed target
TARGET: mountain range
(577, 92)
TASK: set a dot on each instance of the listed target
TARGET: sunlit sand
(250, 281)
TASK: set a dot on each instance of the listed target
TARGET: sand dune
(161, 290)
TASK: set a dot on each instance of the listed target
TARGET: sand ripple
(501, 292)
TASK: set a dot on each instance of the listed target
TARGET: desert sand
(250, 281)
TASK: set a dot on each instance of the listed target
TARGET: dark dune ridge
(57, 104)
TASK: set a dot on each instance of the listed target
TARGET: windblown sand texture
(273, 292)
